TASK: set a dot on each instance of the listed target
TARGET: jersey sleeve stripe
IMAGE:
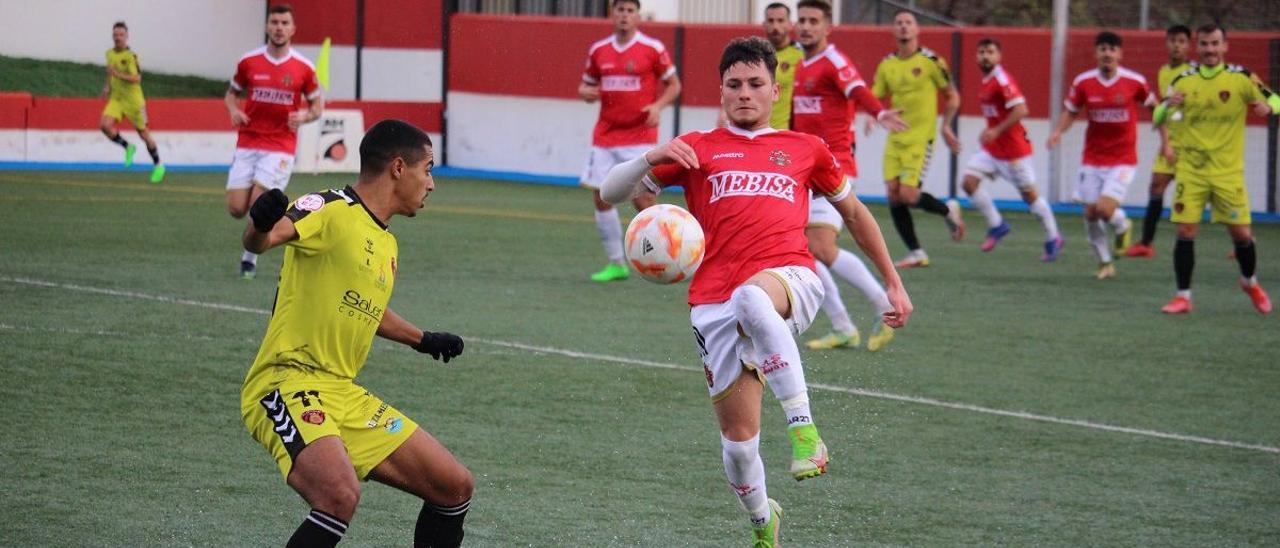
(842, 192)
(235, 86)
(671, 71)
(853, 85)
(588, 79)
(1015, 102)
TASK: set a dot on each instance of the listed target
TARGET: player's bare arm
(589, 92)
(232, 100)
(668, 97)
(1064, 123)
(862, 225)
(1166, 148)
(106, 86)
(268, 226)
(953, 107)
(1016, 115)
(314, 109)
(394, 327)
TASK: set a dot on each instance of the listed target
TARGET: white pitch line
(664, 365)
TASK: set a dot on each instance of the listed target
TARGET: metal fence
(567, 8)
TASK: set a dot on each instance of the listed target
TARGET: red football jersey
(273, 88)
(820, 103)
(998, 96)
(751, 196)
(1112, 136)
(628, 76)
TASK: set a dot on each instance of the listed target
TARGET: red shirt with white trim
(628, 76)
(1112, 105)
(273, 88)
(820, 102)
(751, 196)
(998, 95)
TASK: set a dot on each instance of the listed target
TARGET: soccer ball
(665, 244)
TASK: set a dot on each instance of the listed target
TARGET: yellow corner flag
(322, 64)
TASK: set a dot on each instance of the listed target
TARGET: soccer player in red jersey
(749, 187)
(1005, 153)
(827, 89)
(1109, 95)
(623, 72)
(274, 81)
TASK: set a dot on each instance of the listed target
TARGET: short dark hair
(990, 42)
(752, 50)
(616, 2)
(1108, 38)
(821, 5)
(777, 5)
(904, 10)
(1209, 28)
(119, 25)
(1176, 30)
(388, 140)
(280, 8)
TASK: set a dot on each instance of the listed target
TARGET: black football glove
(441, 346)
(267, 209)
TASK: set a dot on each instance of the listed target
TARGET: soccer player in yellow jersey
(1178, 41)
(913, 76)
(300, 399)
(1212, 101)
(777, 27)
(123, 91)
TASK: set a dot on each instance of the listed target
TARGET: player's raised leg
(158, 171)
(997, 229)
(108, 126)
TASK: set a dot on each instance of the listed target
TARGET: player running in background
(913, 76)
(623, 72)
(300, 399)
(828, 84)
(123, 92)
(748, 185)
(1110, 96)
(1178, 41)
(1213, 100)
(275, 81)
(1005, 153)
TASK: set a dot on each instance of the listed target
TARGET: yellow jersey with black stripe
(1216, 103)
(335, 284)
(913, 83)
(125, 62)
(789, 58)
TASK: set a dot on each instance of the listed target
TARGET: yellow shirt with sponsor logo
(125, 62)
(1211, 136)
(788, 59)
(335, 283)
(913, 83)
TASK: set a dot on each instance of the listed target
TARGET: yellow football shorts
(136, 113)
(302, 409)
(907, 162)
(1225, 194)
(1161, 166)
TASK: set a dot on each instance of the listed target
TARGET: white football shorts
(268, 169)
(724, 350)
(602, 159)
(1097, 181)
(1019, 171)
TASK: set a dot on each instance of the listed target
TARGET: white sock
(1040, 208)
(832, 306)
(1097, 231)
(1185, 293)
(796, 409)
(610, 228)
(853, 270)
(983, 202)
(1117, 220)
(776, 349)
(745, 470)
(1250, 281)
(250, 257)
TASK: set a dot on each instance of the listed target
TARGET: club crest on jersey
(1119, 99)
(1224, 95)
(314, 416)
(915, 71)
(747, 183)
(630, 67)
(779, 157)
(288, 80)
(393, 267)
(784, 66)
(808, 85)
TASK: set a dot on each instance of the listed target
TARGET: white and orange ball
(665, 244)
